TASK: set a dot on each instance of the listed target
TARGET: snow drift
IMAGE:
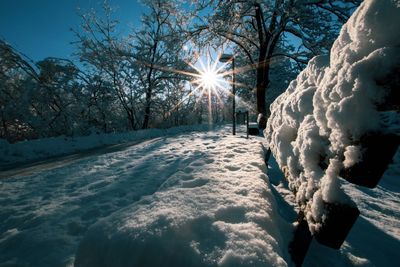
(316, 125)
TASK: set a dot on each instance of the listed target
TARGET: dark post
(227, 58)
(233, 95)
(298, 247)
(247, 124)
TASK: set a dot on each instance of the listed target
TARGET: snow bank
(316, 125)
(217, 211)
(48, 147)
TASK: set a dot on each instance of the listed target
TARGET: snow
(207, 198)
(199, 198)
(218, 210)
(193, 199)
(374, 240)
(39, 149)
(333, 103)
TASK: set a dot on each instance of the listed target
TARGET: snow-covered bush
(316, 125)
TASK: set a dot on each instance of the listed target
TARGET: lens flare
(209, 79)
(209, 76)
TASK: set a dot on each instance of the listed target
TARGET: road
(28, 168)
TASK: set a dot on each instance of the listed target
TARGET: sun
(209, 79)
(209, 76)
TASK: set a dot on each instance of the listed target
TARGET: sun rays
(209, 78)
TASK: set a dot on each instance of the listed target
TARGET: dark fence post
(298, 247)
(378, 152)
(247, 124)
(338, 222)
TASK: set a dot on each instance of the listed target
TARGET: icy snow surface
(333, 103)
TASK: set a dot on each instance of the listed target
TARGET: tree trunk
(262, 67)
(147, 109)
(261, 84)
(5, 128)
(267, 40)
(131, 118)
(150, 85)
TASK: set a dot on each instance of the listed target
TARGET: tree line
(139, 80)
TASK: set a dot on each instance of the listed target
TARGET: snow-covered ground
(206, 197)
(33, 150)
(195, 199)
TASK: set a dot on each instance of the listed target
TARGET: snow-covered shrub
(316, 125)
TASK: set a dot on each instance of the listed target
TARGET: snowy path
(45, 215)
(28, 168)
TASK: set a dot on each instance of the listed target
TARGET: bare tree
(157, 49)
(37, 99)
(261, 30)
(110, 57)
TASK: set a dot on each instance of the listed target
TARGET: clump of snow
(259, 118)
(352, 155)
(316, 125)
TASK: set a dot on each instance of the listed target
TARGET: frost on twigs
(317, 127)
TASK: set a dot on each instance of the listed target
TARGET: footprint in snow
(208, 161)
(197, 163)
(258, 165)
(194, 183)
(249, 168)
(188, 169)
(232, 168)
(231, 214)
(186, 177)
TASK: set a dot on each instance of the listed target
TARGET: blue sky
(41, 28)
